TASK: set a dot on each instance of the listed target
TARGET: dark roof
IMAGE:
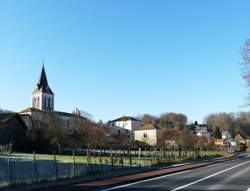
(6, 116)
(125, 118)
(56, 112)
(42, 84)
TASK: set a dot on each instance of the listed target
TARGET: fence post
(74, 163)
(112, 160)
(130, 158)
(100, 160)
(9, 170)
(35, 166)
(55, 163)
(139, 153)
(145, 156)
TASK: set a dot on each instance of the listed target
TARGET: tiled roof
(125, 118)
(149, 127)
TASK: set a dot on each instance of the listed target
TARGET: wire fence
(19, 169)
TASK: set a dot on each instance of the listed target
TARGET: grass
(117, 160)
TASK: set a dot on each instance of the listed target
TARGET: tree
(245, 66)
(225, 121)
(170, 120)
(148, 119)
(243, 123)
(91, 135)
(217, 133)
(186, 138)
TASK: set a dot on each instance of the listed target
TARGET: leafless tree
(245, 67)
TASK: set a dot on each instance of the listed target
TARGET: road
(227, 176)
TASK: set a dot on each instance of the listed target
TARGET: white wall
(151, 138)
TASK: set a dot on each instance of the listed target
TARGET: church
(15, 127)
(42, 107)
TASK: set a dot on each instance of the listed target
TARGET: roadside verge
(116, 178)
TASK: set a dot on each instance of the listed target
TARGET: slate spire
(42, 83)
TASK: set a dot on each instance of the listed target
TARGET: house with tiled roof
(148, 133)
(124, 124)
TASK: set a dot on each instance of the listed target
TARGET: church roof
(60, 113)
(42, 84)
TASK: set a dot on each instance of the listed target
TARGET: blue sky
(125, 57)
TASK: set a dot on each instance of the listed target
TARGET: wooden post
(9, 170)
(112, 160)
(35, 166)
(74, 163)
(130, 158)
(139, 153)
(100, 160)
(55, 163)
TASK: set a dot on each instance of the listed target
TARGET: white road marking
(210, 176)
(142, 181)
(147, 180)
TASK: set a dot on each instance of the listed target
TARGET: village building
(220, 142)
(226, 135)
(12, 132)
(149, 134)
(42, 108)
(124, 125)
(239, 139)
(201, 130)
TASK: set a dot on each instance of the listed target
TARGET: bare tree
(245, 67)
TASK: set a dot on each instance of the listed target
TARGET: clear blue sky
(112, 58)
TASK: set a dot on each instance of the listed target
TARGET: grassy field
(136, 160)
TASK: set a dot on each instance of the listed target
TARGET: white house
(201, 130)
(149, 134)
(124, 124)
(226, 135)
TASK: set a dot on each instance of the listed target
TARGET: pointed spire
(42, 82)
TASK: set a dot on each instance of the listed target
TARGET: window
(145, 135)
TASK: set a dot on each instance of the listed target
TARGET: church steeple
(43, 97)
(42, 79)
(42, 83)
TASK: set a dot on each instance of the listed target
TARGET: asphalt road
(231, 175)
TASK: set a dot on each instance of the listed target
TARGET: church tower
(42, 96)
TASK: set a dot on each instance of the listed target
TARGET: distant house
(12, 131)
(220, 142)
(226, 135)
(149, 134)
(239, 139)
(124, 124)
(201, 130)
